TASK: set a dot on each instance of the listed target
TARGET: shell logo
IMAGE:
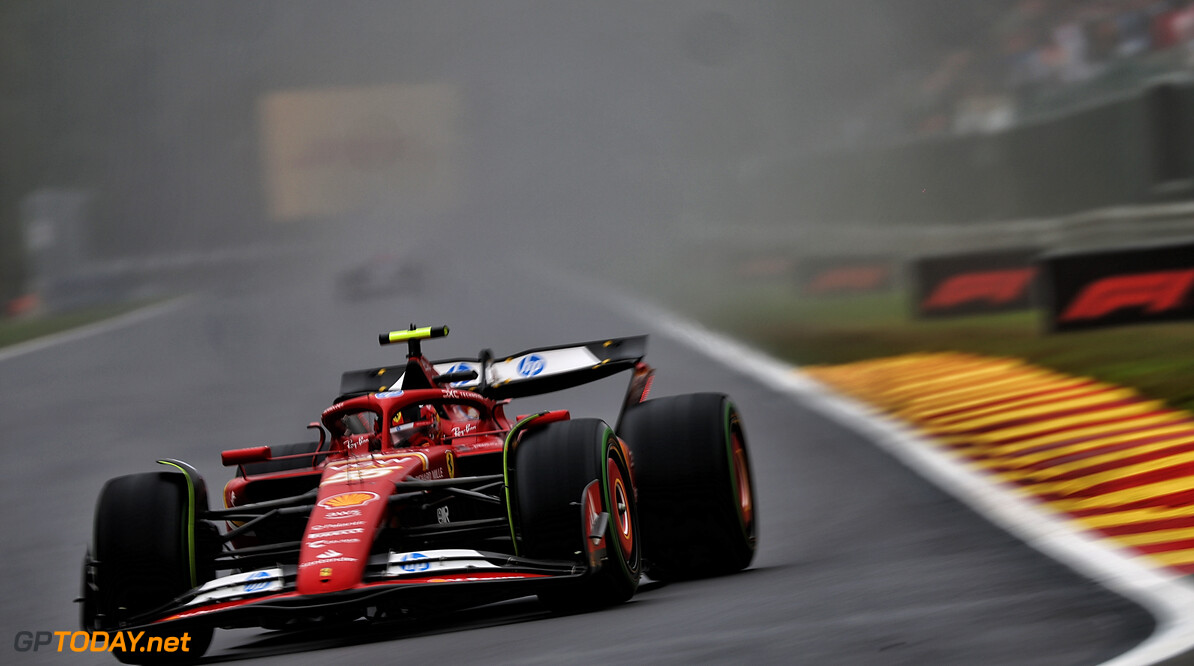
(347, 499)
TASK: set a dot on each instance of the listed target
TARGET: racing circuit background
(513, 169)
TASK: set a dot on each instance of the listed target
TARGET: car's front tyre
(143, 556)
(566, 474)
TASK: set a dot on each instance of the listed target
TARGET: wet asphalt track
(860, 562)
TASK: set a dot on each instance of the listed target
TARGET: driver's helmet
(415, 426)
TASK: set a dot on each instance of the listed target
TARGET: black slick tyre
(696, 496)
(565, 475)
(144, 555)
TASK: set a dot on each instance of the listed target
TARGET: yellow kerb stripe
(1159, 536)
(1007, 413)
(1133, 516)
(1023, 461)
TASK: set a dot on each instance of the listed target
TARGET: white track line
(1165, 594)
(98, 328)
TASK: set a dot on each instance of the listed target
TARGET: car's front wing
(426, 580)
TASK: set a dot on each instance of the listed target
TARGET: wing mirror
(245, 456)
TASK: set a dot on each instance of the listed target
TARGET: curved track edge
(1166, 595)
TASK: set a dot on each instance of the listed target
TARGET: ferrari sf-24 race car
(420, 494)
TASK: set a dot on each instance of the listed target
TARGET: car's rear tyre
(559, 471)
(696, 494)
(144, 555)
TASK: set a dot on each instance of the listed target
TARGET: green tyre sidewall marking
(728, 417)
(506, 448)
(188, 536)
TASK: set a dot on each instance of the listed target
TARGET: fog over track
(860, 560)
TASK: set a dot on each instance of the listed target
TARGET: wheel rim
(621, 510)
(742, 476)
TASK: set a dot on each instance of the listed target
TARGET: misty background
(572, 123)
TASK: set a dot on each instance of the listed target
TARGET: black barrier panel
(1137, 285)
(827, 276)
(975, 283)
(1167, 127)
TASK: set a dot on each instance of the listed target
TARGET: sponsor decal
(336, 526)
(414, 562)
(358, 475)
(330, 560)
(257, 581)
(450, 463)
(325, 572)
(350, 513)
(372, 462)
(531, 365)
(458, 431)
(1152, 293)
(388, 394)
(326, 542)
(454, 559)
(436, 473)
(237, 585)
(994, 287)
(329, 554)
(348, 499)
(354, 530)
(441, 515)
(100, 641)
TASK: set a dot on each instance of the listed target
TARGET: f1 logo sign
(995, 287)
(1154, 292)
(851, 278)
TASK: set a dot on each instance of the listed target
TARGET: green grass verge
(20, 329)
(1156, 359)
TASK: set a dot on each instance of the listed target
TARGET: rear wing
(530, 372)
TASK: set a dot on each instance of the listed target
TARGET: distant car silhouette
(383, 274)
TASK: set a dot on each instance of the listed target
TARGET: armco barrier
(974, 283)
(1117, 465)
(1128, 285)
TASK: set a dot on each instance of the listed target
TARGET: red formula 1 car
(421, 494)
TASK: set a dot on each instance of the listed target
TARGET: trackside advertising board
(1134, 285)
(826, 276)
(975, 283)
